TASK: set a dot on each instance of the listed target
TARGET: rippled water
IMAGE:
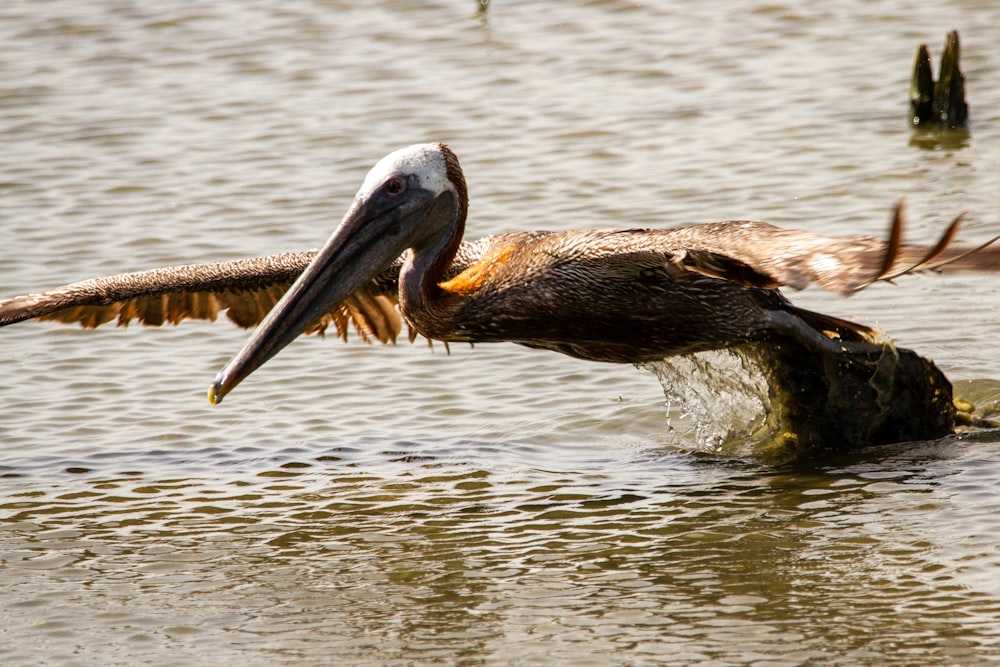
(494, 505)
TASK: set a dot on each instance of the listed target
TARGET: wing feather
(758, 254)
(245, 290)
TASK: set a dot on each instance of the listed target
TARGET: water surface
(495, 505)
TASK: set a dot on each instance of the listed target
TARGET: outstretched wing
(244, 289)
(758, 254)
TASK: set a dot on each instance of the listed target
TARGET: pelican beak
(376, 230)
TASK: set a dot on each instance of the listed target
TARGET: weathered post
(942, 104)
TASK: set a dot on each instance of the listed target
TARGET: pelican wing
(758, 254)
(244, 289)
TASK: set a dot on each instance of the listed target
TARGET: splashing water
(720, 397)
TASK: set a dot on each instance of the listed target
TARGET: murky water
(364, 505)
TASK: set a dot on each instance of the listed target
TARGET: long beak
(364, 245)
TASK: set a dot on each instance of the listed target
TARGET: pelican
(624, 295)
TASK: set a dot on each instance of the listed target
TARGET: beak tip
(216, 392)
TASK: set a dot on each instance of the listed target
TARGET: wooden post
(941, 105)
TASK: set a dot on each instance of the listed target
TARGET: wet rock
(872, 394)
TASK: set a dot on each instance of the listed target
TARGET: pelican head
(409, 199)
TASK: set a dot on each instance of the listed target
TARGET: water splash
(720, 398)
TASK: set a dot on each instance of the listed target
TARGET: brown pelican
(627, 295)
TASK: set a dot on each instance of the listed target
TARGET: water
(495, 505)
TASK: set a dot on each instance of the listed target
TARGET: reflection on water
(489, 506)
(952, 140)
(445, 561)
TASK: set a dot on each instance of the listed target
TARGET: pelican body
(617, 296)
(626, 296)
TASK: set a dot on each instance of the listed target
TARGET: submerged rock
(873, 394)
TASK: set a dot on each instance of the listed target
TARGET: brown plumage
(619, 295)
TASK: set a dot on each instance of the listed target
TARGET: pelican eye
(395, 186)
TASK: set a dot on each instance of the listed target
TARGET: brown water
(381, 506)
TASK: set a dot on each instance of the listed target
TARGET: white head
(428, 164)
